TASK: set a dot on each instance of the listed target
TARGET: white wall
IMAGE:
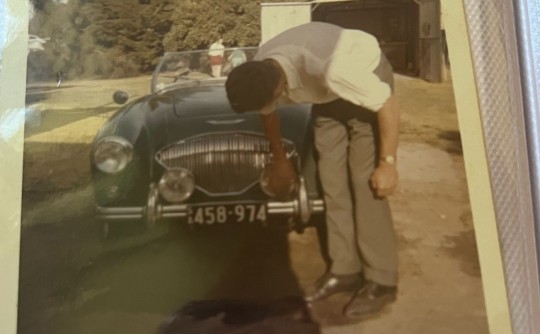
(278, 17)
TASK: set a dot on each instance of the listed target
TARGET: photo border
(492, 121)
(476, 167)
(14, 45)
(499, 289)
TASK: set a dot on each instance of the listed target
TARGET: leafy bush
(119, 38)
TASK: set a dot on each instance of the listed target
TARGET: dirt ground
(440, 288)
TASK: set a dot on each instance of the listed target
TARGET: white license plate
(220, 214)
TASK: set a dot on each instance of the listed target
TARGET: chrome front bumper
(291, 209)
(301, 208)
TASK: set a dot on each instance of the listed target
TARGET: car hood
(161, 119)
(207, 110)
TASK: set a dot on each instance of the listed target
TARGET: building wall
(394, 26)
(278, 17)
(408, 30)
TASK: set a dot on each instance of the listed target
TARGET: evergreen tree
(119, 38)
(197, 24)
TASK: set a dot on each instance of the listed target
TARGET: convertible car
(182, 154)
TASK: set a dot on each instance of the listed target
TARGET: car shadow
(225, 278)
(285, 316)
(253, 283)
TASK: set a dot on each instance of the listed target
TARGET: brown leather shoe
(369, 300)
(330, 284)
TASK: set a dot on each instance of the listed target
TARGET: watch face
(389, 159)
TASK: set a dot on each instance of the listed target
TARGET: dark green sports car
(182, 154)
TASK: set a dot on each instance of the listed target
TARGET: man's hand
(384, 180)
(282, 179)
(280, 176)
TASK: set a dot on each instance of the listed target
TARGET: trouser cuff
(345, 270)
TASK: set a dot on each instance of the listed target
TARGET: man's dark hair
(251, 85)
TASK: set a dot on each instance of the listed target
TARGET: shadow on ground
(68, 275)
(452, 142)
(286, 316)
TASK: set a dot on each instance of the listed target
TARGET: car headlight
(177, 185)
(112, 154)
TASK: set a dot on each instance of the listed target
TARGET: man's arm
(282, 174)
(385, 177)
(273, 134)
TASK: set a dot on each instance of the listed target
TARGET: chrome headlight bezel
(171, 188)
(119, 151)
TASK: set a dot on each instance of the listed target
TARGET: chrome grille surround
(223, 163)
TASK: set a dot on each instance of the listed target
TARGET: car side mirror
(120, 97)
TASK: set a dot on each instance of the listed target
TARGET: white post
(278, 17)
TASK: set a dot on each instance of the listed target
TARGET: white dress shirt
(323, 62)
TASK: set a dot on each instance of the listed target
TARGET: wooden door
(430, 40)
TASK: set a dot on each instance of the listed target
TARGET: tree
(113, 38)
(197, 24)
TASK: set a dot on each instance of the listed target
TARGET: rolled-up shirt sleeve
(350, 73)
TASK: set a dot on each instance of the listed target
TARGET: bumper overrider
(301, 208)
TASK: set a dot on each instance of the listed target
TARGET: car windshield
(183, 68)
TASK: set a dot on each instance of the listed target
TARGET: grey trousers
(360, 228)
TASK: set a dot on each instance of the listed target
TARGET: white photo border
(492, 117)
(500, 166)
(13, 50)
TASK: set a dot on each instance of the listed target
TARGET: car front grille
(222, 163)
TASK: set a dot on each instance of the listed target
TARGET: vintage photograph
(244, 167)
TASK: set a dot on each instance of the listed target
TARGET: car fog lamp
(113, 192)
(177, 185)
(112, 154)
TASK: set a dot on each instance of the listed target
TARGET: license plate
(220, 214)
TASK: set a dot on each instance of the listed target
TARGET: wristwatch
(389, 159)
